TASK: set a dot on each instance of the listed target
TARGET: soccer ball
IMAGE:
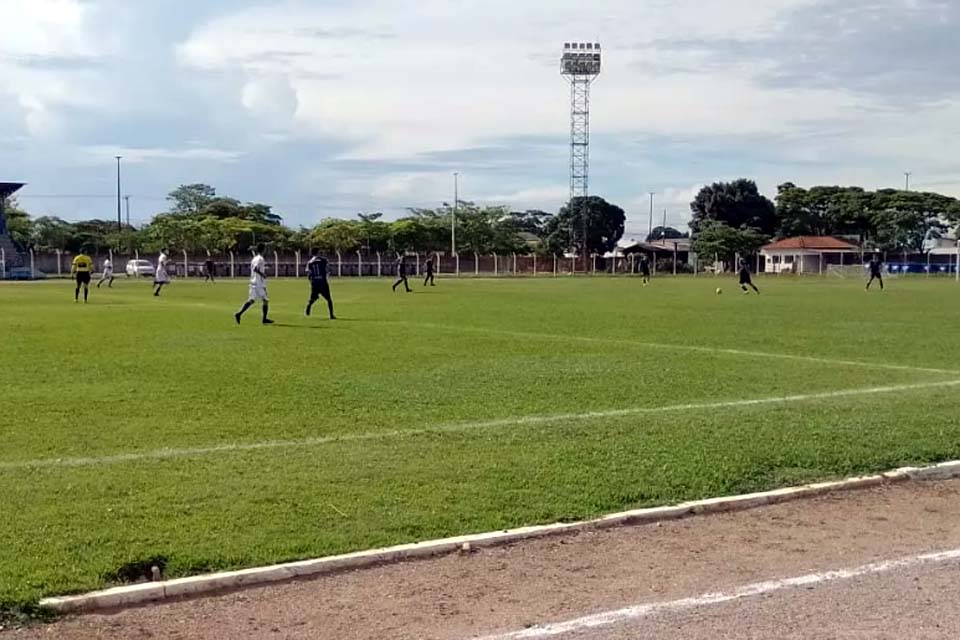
(719, 290)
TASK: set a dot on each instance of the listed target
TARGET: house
(808, 254)
(659, 249)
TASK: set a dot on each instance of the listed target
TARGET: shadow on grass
(285, 325)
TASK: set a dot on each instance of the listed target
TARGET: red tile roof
(811, 243)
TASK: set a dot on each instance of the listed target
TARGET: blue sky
(327, 108)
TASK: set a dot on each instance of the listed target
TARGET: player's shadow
(284, 325)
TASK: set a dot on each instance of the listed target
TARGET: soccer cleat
(267, 321)
(236, 317)
(306, 311)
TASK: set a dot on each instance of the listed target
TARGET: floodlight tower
(580, 65)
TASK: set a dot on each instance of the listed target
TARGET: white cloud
(44, 28)
(545, 197)
(272, 98)
(143, 155)
(446, 79)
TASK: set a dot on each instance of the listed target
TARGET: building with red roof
(809, 254)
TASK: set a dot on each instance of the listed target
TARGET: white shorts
(161, 277)
(258, 291)
(107, 273)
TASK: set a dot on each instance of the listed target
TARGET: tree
(665, 233)
(738, 204)
(337, 235)
(190, 199)
(409, 234)
(822, 210)
(901, 219)
(49, 233)
(603, 221)
(722, 240)
(374, 233)
(19, 225)
(530, 221)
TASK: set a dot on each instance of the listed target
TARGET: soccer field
(136, 428)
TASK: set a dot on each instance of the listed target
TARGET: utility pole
(453, 217)
(127, 202)
(907, 174)
(650, 232)
(119, 223)
(663, 229)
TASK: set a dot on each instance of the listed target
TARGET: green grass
(128, 373)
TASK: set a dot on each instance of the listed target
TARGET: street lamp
(907, 174)
(119, 222)
(453, 216)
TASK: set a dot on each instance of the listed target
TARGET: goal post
(846, 271)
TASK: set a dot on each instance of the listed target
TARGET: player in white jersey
(258, 287)
(161, 278)
(107, 275)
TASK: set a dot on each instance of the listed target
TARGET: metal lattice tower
(580, 64)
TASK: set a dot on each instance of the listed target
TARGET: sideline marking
(679, 347)
(639, 612)
(165, 454)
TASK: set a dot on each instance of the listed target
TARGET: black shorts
(745, 277)
(83, 277)
(319, 289)
(645, 273)
(876, 276)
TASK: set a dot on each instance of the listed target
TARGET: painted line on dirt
(641, 611)
(681, 347)
(169, 453)
(204, 584)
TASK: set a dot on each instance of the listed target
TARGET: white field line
(681, 347)
(639, 612)
(168, 453)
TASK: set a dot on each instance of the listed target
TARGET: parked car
(140, 268)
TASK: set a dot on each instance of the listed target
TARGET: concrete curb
(126, 596)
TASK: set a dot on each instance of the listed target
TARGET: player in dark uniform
(645, 270)
(209, 271)
(745, 279)
(319, 286)
(429, 277)
(876, 272)
(401, 274)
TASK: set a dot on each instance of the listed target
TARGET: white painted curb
(153, 591)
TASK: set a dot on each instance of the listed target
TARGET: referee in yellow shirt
(82, 269)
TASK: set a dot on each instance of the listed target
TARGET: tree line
(735, 218)
(728, 218)
(199, 220)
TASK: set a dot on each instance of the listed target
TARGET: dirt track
(509, 589)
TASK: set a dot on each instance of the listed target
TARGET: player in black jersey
(876, 272)
(429, 278)
(401, 274)
(209, 271)
(645, 270)
(745, 279)
(319, 286)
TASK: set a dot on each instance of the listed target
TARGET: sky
(326, 108)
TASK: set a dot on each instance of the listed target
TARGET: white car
(140, 268)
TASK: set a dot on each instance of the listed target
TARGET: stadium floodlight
(580, 64)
